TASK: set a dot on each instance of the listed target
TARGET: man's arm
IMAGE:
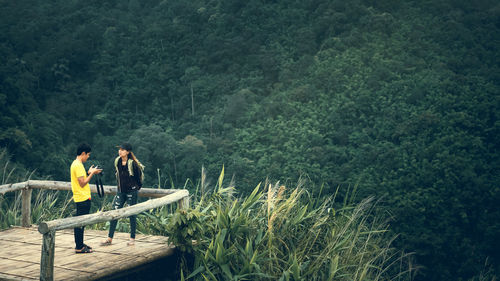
(92, 170)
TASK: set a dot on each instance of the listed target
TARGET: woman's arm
(137, 174)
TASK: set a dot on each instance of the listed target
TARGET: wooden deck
(20, 252)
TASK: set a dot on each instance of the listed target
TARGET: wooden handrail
(79, 221)
(27, 187)
(4, 188)
(60, 185)
(49, 228)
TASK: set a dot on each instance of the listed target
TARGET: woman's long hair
(132, 155)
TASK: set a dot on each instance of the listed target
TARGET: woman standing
(129, 178)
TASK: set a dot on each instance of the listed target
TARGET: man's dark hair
(84, 147)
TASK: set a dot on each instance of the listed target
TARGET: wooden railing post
(47, 259)
(184, 203)
(26, 207)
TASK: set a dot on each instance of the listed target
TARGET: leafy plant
(275, 234)
(185, 228)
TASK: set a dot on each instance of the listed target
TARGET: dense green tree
(398, 99)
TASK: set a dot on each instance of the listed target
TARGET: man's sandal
(85, 245)
(84, 250)
(131, 243)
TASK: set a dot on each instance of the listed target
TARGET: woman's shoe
(106, 242)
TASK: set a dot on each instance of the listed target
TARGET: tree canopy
(397, 99)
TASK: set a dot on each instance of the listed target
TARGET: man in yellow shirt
(81, 191)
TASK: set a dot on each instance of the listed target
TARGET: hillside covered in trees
(395, 99)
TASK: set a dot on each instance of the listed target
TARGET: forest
(399, 100)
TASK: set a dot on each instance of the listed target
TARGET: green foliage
(45, 206)
(185, 227)
(398, 98)
(11, 172)
(273, 234)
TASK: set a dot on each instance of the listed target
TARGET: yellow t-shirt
(77, 170)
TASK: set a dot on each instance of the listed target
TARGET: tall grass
(275, 233)
(45, 204)
(10, 172)
(280, 234)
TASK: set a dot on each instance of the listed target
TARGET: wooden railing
(48, 229)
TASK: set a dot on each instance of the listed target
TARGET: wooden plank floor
(20, 250)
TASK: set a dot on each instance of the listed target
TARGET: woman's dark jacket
(126, 182)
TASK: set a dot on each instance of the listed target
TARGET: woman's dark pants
(118, 202)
